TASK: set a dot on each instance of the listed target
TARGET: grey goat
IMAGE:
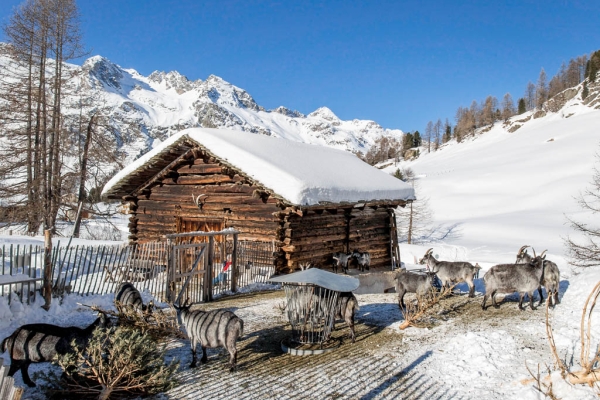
(451, 272)
(35, 343)
(550, 277)
(211, 329)
(363, 259)
(345, 309)
(412, 282)
(508, 278)
(128, 297)
(340, 260)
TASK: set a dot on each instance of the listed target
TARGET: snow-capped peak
(173, 80)
(325, 113)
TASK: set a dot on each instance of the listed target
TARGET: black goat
(35, 343)
(128, 297)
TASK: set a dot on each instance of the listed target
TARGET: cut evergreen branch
(118, 363)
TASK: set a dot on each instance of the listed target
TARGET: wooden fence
(8, 390)
(87, 270)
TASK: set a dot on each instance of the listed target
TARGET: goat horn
(543, 252)
(522, 249)
(534, 256)
(429, 251)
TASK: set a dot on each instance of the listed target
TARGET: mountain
(143, 109)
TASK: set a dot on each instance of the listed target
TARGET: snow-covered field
(502, 190)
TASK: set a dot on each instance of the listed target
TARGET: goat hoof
(193, 365)
(496, 306)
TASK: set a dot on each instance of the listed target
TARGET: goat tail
(240, 327)
(4, 344)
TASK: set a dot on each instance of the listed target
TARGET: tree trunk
(83, 177)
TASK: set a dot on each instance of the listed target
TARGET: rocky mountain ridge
(144, 109)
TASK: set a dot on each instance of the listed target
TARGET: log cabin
(309, 200)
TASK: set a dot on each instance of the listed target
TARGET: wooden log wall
(197, 187)
(314, 236)
(221, 194)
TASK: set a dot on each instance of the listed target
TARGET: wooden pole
(209, 270)
(234, 270)
(47, 268)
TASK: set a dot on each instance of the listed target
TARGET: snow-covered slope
(142, 109)
(507, 189)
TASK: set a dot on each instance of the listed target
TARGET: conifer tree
(522, 107)
(417, 141)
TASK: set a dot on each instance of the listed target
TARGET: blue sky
(400, 63)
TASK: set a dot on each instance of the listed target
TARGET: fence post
(234, 271)
(209, 270)
(47, 268)
(170, 270)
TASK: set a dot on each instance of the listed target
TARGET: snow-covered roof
(321, 278)
(301, 173)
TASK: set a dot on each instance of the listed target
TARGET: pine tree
(522, 107)
(407, 142)
(594, 65)
(417, 141)
(585, 91)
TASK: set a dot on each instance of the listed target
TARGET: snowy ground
(503, 191)
(464, 352)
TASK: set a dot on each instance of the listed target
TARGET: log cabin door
(194, 255)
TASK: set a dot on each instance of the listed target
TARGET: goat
(363, 259)
(411, 282)
(450, 272)
(550, 277)
(340, 259)
(211, 329)
(508, 278)
(128, 297)
(35, 343)
(346, 307)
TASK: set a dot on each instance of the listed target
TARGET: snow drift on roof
(301, 173)
(321, 278)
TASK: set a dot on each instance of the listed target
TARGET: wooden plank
(201, 168)
(181, 189)
(203, 179)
